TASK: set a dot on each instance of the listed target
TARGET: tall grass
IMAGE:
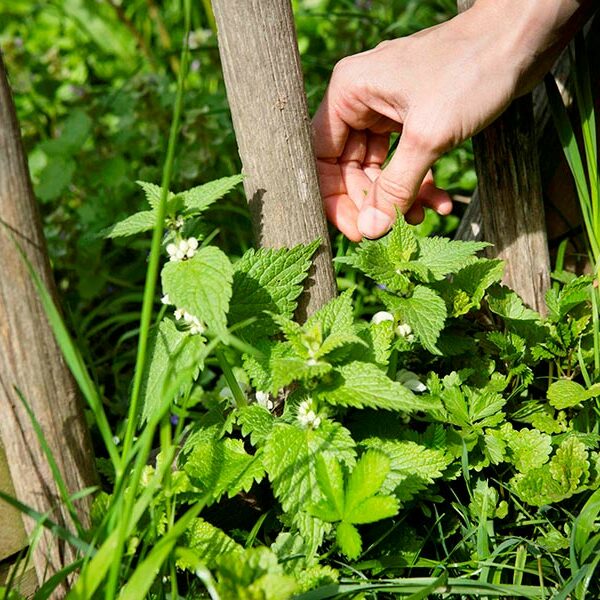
(583, 163)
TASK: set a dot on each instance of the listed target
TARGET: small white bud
(403, 330)
(410, 380)
(165, 299)
(381, 316)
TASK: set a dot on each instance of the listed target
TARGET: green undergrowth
(446, 447)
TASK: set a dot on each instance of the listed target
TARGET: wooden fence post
(510, 194)
(31, 361)
(263, 76)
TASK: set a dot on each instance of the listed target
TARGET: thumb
(396, 187)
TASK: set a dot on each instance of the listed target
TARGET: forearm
(530, 33)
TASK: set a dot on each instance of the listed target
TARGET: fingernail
(373, 223)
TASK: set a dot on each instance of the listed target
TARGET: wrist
(528, 35)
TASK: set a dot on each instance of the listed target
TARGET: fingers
(433, 197)
(343, 213)
(396, 187)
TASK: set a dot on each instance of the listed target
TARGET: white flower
(404, 330)
(195, 325)
(182, 250)
(165, 299)
(179, 222)
(226, 393)
(381, 316)
(264, 399)
(307, 415)
(311, 362)
(410, 380)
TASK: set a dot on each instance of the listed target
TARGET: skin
(436, 88)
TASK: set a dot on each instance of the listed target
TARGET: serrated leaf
(256, 422)
(425, 312)
(222, 466)
(136, 223)
(373, 509)
(201, 286)
(366, 479)
(290, 457)
(362, 385)
(566, 393)
(442, 256)
(268, 280)
(152, 192)
(401, 242)
(336, 317)
(331, 483)
(287, 369)
(529, 448)
(413, 467)
(254, 574)
(208, 542)
(198, 199)
(174, 359)
(348, 540)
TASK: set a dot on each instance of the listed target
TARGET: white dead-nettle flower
(307, 415)
(311, 362)
(179, 223)
(226, 393)
(195, 325)
(404, 330)
(264, 399)
(165, 299)
(182, 250)
(381, 316)
(410, 380)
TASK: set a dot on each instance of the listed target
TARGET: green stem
(234, 386)
(153, 265)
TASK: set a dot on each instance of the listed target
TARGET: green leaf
(566, 474)
(136, 223)
(366, 479)
(153, 193)
(290, 459)
(268, 280)
(199, 198)
(201, 286)
(255, 422)
(331, 483)
(253, 574)
(401, 242)
(174, 360)
(55, 177)
(336, 317)
(207, 542)
(222, 466)
(360, 385)
(412, 467)
(375, 508)
(288, 369)
(529, 448)
(442, 256)
(425, 312)
(348, 540)
(565, 393)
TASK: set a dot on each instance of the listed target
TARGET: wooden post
(31, 362)
(510, 194)
(261, 65)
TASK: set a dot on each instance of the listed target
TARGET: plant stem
(153, 265)
(234, 386)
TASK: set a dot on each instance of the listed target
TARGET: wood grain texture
(261, 65)
(30, 359)
(12, 533)
(510, 198)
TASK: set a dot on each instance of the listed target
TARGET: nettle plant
(322, 429)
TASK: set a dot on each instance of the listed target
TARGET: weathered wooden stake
(510, 194)
(263, 76)
(31, 361)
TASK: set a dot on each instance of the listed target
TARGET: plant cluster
(450, 436)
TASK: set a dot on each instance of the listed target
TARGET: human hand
(436, 88)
